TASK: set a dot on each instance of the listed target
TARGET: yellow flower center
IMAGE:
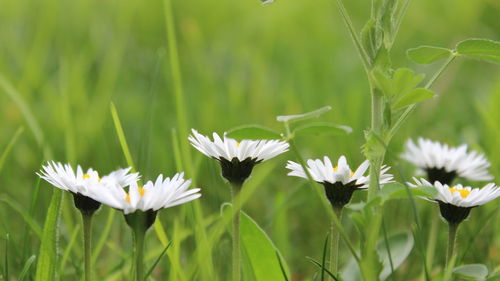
(336, 169)
(141, 193)
(463, 192)
(87, 176)
(238, 144)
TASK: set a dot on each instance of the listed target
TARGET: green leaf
(478, 272)
(416, 95)
(261, 251)
(299, 117)
(404, 79)
(47, 261)
(400, 246)
(383, 82)
(480, 49)
(253, 132)
(428, 54)
(321, 128)
(371, 38)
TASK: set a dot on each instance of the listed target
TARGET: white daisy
(339, 181)
(163, 193)
(81, 184)
(456, 201)
(443, 163)
(461, 196)
(237, 159)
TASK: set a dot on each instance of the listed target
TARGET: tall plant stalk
(452, 237)
(87, 244)
(139, 235)
(236, 253)
(334, 250)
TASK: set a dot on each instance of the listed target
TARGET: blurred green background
(241, 62)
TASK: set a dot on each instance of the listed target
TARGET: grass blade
(121, 137)
(9, 146)
(322, 268)
(27, 267)
(285, 275)
(47, 261)
(157, 261)
(323, 259)
(6, 262)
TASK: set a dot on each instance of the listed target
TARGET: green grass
(62, 63)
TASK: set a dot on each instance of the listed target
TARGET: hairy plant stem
(139, 235)
(87, 239)
(334, 250)
(452, 237)
(236, 272)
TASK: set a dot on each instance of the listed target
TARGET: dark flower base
(440, 175)
(85, 204)
(339, 194)
(453, 214)
(141, 221)
(236, 171)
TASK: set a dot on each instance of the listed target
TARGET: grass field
(62, 63)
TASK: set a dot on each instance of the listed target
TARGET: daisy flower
(237, 159)
(153, 196)
(81, 184)
(340, 181)
(455, 202)
(443, 163)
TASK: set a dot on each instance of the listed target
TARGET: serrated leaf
(478, 272)
(321, 128)
(299, 117)
(428, 54)
(261, 251)
(404, 79)
(480, 49)
(414, 96)
(253, 132)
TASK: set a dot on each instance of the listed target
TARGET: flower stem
(452, 237)
(334, 251)
(139, 235)
(236, 273)
(87, 234)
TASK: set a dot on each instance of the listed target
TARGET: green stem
(139, 235)
(236, 272)
(357, 42)
(452, 237)
(87, 245)
(334, 251)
